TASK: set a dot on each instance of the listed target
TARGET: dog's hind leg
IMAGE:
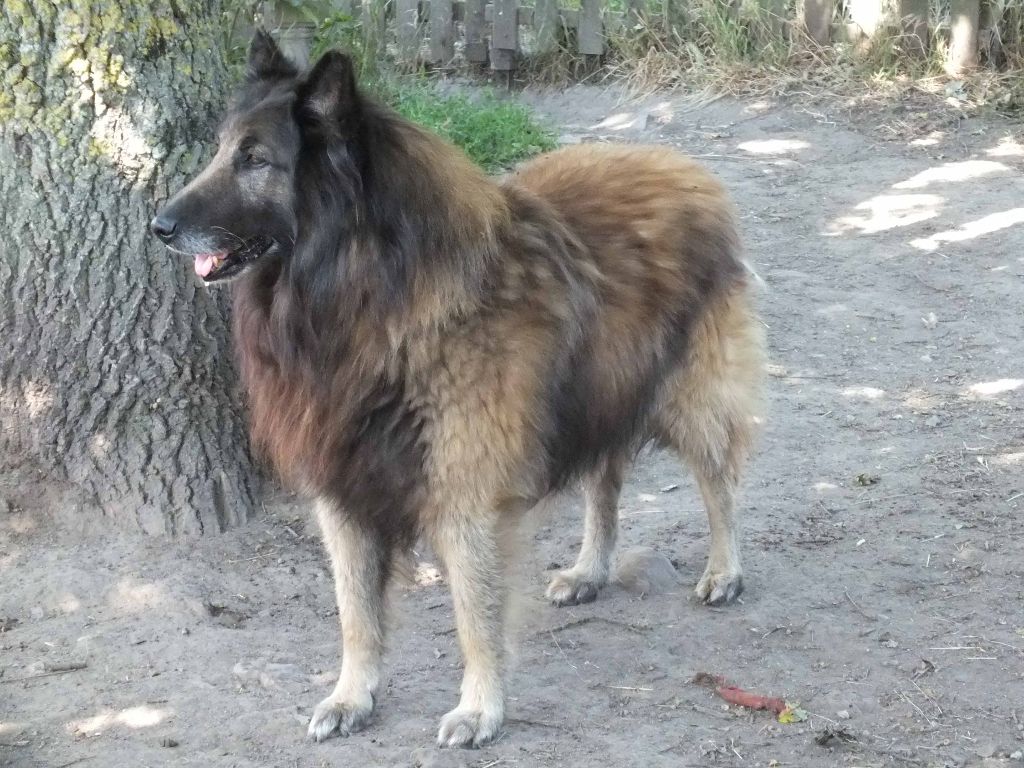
(709, 416)
(361, 565)
(473, 551)
(581, 583)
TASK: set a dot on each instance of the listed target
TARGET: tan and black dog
(430, 352)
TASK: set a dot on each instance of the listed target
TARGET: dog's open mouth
(219, 265)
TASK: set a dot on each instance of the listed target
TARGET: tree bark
(116, 375)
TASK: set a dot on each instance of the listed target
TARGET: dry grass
(737, 49)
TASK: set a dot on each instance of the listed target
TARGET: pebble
(268, 674)
(644, 570)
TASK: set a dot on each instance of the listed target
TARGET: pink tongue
(204, 263)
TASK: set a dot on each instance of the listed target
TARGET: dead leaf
(225, 616)
(707, 680)
(923, 669)
(832, 733)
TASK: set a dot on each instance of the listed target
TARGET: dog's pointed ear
(330, 92)
(266, 60)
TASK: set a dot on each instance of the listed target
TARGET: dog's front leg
(361, 566)
(471, 548)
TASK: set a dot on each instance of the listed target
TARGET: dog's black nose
(163, 227)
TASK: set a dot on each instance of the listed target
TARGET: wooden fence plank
(504, 34)
(773, 21)
(964, 16)
(988, 32)
(591, 33)
(546, 24)
(674, 13)
(614, 24)
(373, 18)
(442, 32)
(816, 16)
(635, 10)
(476, 41)
(408, 31)
(868, 15)
(914, 24)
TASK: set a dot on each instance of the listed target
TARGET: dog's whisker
(229, 233)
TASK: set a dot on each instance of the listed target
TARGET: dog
(430, 352)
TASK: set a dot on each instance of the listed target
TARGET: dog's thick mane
(397, 234)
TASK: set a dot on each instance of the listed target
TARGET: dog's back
(660, 233)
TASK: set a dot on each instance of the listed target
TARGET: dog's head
(243, 207)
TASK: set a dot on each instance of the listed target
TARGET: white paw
(340, 715)
(572, 588)
(469, 727)
(719, 587)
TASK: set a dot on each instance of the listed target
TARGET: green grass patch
(495, 133)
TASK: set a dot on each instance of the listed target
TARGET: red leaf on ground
(738, 696)
(742, 698)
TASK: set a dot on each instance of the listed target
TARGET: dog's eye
(252, 159)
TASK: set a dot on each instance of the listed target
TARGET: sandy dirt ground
(883, 518)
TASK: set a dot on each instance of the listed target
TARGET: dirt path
(884, 534)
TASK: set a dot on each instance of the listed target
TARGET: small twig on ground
(630, 688)
(912, 703)
(639, 629)
(735, 750)
(928, 285)
(933, 701)
(572, 666)
(822, 717)
(254, 557)
(857, 608)
(873, 499)
(48, 671)
(537, 723)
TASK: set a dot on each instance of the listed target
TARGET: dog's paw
(571, 588)
(468, 727)
(339, 715)
(719, 588)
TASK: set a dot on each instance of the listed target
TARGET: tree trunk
(116, 375)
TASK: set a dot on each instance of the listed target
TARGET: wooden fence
(488, 32)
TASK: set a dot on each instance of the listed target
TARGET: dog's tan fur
(435, 351)
(634, 215)
(637, 213)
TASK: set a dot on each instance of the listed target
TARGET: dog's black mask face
(242, 207)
